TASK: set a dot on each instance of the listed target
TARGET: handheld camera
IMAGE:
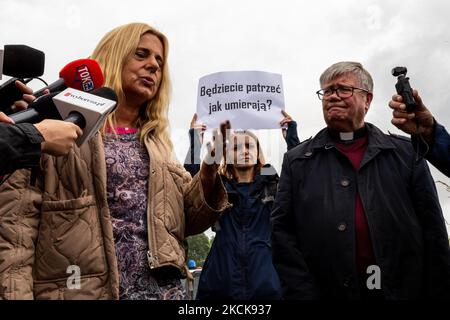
(403, 88)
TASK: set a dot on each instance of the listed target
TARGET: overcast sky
(298, 39)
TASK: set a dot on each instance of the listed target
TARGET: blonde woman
(108, 220)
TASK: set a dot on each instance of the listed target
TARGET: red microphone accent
(83, 74)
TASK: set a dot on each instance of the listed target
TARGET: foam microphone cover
(21, 61)
(83, 74)
(106, 93)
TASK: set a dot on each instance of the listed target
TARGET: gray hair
(345, 67)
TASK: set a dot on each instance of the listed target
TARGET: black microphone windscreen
(21, 61)
(106, 93)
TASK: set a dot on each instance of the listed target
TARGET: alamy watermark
(74, 280)
(374, 280)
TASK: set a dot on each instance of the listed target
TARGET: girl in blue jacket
(239, 264)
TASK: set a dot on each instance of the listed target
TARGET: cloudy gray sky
(297, 39)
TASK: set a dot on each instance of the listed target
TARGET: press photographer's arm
(21, 144)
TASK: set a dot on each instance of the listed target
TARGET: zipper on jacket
(151, 256)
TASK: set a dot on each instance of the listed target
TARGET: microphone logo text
(86, 80)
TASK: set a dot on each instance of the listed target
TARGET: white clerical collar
(346, 136)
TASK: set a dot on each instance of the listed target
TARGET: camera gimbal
(403, 88)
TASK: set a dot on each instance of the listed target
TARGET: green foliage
(198, 248)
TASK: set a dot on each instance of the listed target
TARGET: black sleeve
(20, 147)
(296, 280)
(192, 161)
(437, 250)
(291, 135)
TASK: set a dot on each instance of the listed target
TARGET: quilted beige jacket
(62, 220)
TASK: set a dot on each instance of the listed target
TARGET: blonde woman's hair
(227, 169)
(112, 53)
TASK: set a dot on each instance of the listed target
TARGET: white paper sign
(248, 99)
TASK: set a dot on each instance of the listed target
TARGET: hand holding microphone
(87, 110)
(59, 136)
(21, 142)
(83, 74)
(27, 97)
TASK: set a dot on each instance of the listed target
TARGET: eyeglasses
(342, 92)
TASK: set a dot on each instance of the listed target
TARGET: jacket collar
(267, 175)
(377, 141)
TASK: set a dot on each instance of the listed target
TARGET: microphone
(83, 74)
(87, 110)
(21, 61)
